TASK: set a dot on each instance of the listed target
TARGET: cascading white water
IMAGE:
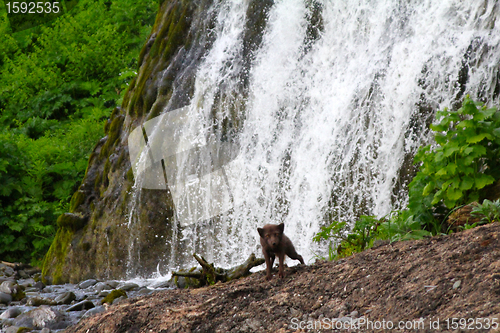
(326, 123)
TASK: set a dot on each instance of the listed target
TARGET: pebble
(87, 283)
(100, 286)
(457, 284)
(8, 287)
(5, 298)
(113, 284)
(15, 329)
(39, 285)
(103, 293)
(65, 298)
(93, 311)
(11, 313)
(28, 283)
(127, 286)
(83, 305)
(40, 318)
(37, 301)
(118, 300)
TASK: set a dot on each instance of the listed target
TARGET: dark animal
(274, 242)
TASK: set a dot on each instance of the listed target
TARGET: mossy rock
(76, 200)
(19, 295)
(71, 221)
(53, 263)
(23, 329)
(114, 295)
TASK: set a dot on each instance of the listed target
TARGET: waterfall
(317, 118)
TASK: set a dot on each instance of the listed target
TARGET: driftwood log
(209, 274)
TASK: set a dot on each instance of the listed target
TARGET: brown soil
(394, 284)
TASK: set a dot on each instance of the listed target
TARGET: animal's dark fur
(274, 242)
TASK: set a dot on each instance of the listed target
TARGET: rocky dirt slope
(447, 284)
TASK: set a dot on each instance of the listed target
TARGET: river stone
(104, 293)
(114, 295)
(87, 283)
(83, 305)
(40, 285)
(8, 287)
(43, 316)
(144, 291)
(8, 271)
(100, 286)
(113, 284)
(127, 286)
(65, 298)
(37, 301)
(163, 284)
(27, 283)
(5, 298)
(11, 313)
(118, 300)
(15, 329)
(96, 310)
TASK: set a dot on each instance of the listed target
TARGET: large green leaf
(483, 180)
(466, 183)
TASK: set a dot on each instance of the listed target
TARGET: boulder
(87, 283)
(11, 313)
(83, 305)
(113, 295)
(41, 317)
(65, 298)
(5, 298)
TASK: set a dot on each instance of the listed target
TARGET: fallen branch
(209, 274)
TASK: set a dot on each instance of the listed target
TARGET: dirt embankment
(446, 284)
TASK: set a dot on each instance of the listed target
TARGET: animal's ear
(261, 232)
(282, 227)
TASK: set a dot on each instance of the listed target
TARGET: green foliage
(468, 226)
(396, 226)
(490, 210)
(360, 237)
(58, 84)
(334, 231)
(40, 176)
(401, 225)
(463, 161)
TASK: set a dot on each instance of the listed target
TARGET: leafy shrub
(58, 84)
(463, 161)
(396, 226)
(401, 225)
(490, 210)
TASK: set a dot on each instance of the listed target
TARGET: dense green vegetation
(58, 85)
(453, 171)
